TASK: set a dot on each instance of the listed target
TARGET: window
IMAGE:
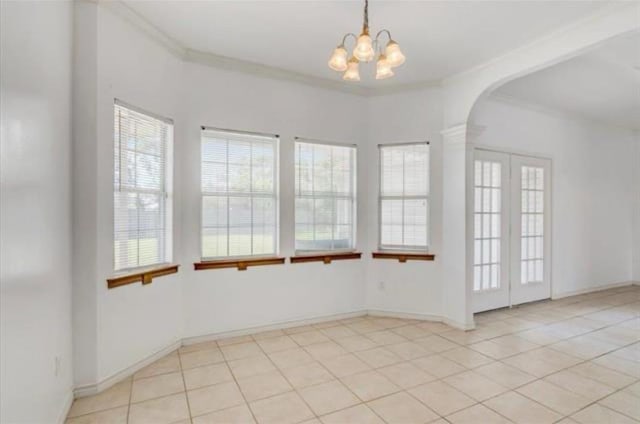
(325, 197)
(239, 194)
(142, 186)
(404, 196)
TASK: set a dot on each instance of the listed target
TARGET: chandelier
(364, 51)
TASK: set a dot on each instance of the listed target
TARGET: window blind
(239, 194)
(325, 203)
(142, 234)
(404, 196)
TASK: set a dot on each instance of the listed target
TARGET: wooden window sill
(241, 264)
(404, 257)
(326, 258)
(145, 276)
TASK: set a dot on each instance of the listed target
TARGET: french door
(512, 245)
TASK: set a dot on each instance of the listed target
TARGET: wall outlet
(57, 365)
(381, 285)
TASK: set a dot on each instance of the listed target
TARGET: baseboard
(595, 289)
(280, 325)
(66, 406)
(420, 316)
(104, 384)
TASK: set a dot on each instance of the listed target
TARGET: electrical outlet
(381, 285)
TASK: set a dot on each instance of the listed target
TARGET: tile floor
(574, 360)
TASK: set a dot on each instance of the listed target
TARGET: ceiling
(602, 85)
(439, 38)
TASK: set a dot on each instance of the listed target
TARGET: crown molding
(186, 54)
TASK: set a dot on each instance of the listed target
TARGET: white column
(457, 179)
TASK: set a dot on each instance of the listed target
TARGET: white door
(511, 230)
(530, 229)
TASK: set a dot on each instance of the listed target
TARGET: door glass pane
(487, 211)
(532, 228)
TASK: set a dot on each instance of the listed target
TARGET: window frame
(354, 197)
(276, 196)
(404, 248)
(165, 192)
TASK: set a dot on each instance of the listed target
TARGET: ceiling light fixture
(364, 51)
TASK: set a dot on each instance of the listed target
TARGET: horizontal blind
(325, 196)
(140, 188)
(404, 196)
(239, 194)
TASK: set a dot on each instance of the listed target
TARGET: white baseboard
(66, 406)
(273, 326)
(594, 289)
(420, 316)
(104, 384)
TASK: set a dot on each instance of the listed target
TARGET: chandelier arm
(380, 33)
(365, 25)
(344, 39)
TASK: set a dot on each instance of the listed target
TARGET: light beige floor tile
(299, 329)
(206, 376)
(251, 366)
(468, 358)
(307, 375)
(385, 337)
(234, 340)
(355, 343)
(328, 397)
(163, 410)
(213, 398)
(406, 375)
(338, 332)
(505, 375)
(494, 350)
(364, 327)
(623, 403)
(118, 395)
(401, 408)
(619, 364)
(309, 338)
(521, 410)
(268, 334)
(360, 414)
(585, 346)
(241, 350)
(275, 344)
(378, 357)
(438, 365)
(408, 350)
(541, 336)
(634, 389)
(477, 414)
(344, 365)
(325, 324)
(370, 385)
(411, 332)
(436, 344)
(291, 358)
(158, 386)
(441, 397)
(235, 415)
(434, 327)
(166, 365)
(475, 385)
(554, 397)
(263, 385)
(325, 350)
(602, 374)
(200, 358)
(586, 387)
(110, 416)
(287, 408)
(599, 414)
(212, 344)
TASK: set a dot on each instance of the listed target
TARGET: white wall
(415, 286)
(592, 188)
(636, 242)
(225, 300)
(35, 224)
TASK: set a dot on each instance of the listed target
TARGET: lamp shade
(394, 54)
(352, 74)
(383, 68)
(338, 60)
(364, 48)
